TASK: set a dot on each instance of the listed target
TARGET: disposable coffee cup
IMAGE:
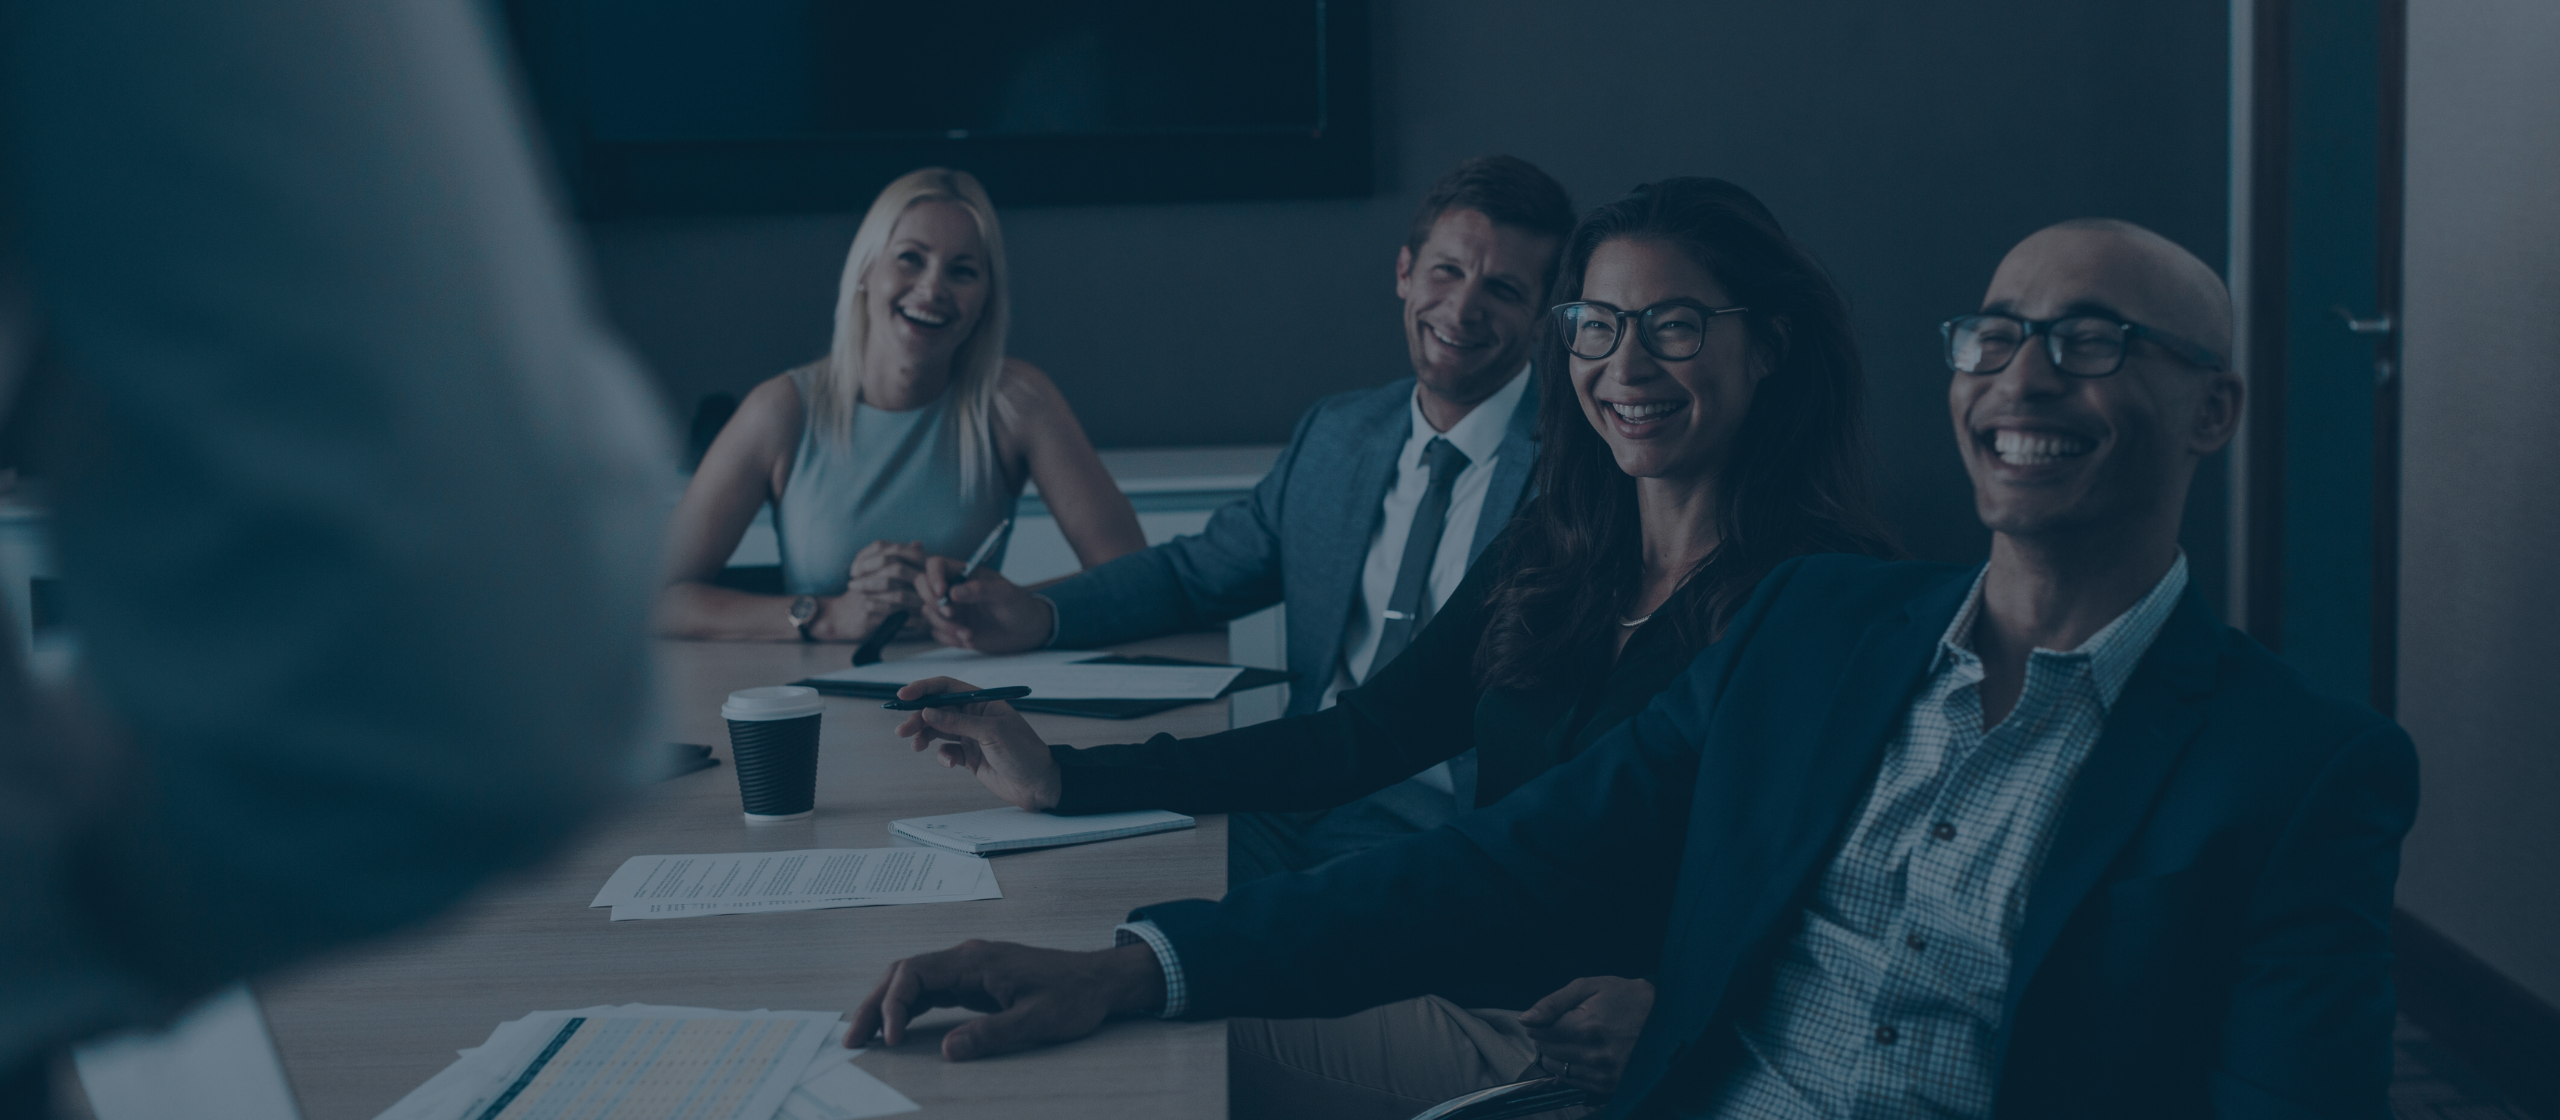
(773, 742)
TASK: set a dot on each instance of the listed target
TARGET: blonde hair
(976, 367)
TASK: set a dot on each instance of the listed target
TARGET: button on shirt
(1888, 1000)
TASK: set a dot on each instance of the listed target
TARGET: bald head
(2141, 275)
(2100, 459)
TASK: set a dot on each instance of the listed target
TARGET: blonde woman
(910, 439)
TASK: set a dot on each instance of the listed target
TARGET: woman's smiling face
(929, 287)
(1671, 420)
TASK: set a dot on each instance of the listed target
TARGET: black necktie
(1410, 606)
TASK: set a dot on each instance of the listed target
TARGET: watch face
(803, 609)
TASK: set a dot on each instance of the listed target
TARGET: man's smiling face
(1471, 303)
(2052, 454)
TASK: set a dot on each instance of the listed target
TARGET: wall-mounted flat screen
(662, 106)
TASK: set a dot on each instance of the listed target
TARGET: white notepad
(1011, 829)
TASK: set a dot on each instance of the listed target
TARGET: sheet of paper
(1052, 675)
(634, 1062)
(808, 879)
(836, 1089)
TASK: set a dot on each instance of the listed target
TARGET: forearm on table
(689, 609)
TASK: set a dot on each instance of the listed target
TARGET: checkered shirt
(1888, 999)
(1177, 992)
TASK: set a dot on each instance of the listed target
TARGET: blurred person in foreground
(357, 503)
(2039, 837)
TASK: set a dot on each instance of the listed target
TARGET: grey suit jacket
(1301, 539)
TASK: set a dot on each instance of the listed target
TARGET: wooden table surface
(359, 1031)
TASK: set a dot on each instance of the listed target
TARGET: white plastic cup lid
(781, 701)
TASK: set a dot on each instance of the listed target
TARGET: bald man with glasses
(2035, 838)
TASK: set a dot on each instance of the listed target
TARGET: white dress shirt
(1478, 435)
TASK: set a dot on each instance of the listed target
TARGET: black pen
(955, 699)
(869, 650)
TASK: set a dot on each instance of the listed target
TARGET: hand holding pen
(988, 738)
(879, 637)
(982, 611)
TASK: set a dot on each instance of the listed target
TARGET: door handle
(2380, 325)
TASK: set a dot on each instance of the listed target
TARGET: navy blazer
(1300, 538)
(2208, 932)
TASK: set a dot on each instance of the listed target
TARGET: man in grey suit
(1365, 524)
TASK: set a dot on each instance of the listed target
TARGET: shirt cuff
(1055, 620)
(1177, 995)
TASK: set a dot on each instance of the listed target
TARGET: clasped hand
(990, 739)
(880, 582)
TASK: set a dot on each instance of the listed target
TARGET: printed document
(809, 879)
(645, 1062)
(634, 1062)
(1052, 675)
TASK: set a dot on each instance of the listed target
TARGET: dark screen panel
(662, 107)
(674, 70)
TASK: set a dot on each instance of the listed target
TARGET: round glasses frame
(1564, 316)
(2126, 331)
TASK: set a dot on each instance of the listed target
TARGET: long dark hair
(1793, 483)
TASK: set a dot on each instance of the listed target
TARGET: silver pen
(969, 571)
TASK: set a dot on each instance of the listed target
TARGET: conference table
(359, 1030)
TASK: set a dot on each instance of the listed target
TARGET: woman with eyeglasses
(1708, 428)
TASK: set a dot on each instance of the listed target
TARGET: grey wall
(2480, 535)
(1910, 144)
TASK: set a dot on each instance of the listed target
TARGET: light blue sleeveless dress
(897, 479)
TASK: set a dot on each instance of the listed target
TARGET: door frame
(2261, 218)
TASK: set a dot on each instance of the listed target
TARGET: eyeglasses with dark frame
(2079, 345)
(1674, 330)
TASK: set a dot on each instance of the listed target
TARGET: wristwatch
(804, 610)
